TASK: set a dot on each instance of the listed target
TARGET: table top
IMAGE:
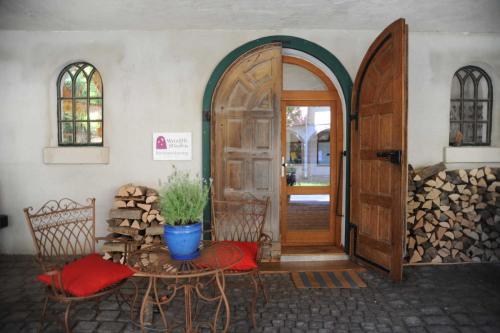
(155, 261)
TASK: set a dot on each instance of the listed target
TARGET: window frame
(81, 66)
(472, 72)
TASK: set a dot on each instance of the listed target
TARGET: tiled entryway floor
(457, 298)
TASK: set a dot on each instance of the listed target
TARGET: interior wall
(154, 81)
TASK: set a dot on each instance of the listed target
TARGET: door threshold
(312, 253)
(308, 266)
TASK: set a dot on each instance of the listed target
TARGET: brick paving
(457, 298)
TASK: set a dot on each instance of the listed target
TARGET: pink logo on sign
(161, 143)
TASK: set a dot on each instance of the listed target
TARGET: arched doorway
(341, 83)
(310, 193)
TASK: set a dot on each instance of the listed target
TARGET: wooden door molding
(378, 187)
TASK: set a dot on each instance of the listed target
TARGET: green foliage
(183, 199)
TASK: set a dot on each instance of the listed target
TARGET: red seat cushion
(249, 259)
(88, 275)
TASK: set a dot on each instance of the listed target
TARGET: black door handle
(393, 156)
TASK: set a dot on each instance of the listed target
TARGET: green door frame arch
(290, 42)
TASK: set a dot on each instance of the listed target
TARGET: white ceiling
(421, 15)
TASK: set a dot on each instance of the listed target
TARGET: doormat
(334, 279)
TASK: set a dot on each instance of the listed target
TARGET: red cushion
(249, 259)
(88, 275)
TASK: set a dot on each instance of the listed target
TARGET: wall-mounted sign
(172, 146)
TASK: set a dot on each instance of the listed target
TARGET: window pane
(468, 132)
(454, 129)
(95, 109)
(96, 85)
(66, 109)
(482, 89)
(81, 109)
(298, 78)
(66, 132)
(308, 212)
(87, 69)
(81, 132)
(481, 133)
(455, 87)
(455, 111)
(73, 69)
(469, 88)
(96, 132)
(482, 111)
(469, 111)
(81, 85)
(66, 85)
(303, 125)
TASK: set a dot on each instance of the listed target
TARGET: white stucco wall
(154, 81)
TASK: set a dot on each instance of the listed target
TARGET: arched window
(470, 108)
(80, 106)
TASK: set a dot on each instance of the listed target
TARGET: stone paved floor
(462, 298)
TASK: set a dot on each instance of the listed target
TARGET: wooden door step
(309, 266)
(312, 253)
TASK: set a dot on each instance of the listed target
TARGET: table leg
(188, 308)
(144, 302)
(159, 304)
(219, 278)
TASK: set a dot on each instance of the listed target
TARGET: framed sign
(172, 146)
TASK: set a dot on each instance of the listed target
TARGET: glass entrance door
(307, 175)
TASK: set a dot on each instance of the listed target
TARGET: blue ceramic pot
(183, 240)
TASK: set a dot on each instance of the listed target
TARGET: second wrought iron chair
(241, 223)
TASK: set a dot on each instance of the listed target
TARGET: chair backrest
(239, 220)
(62, 230)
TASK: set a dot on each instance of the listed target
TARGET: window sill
(76, 155)
(472, 154)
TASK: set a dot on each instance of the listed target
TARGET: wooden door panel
(245, 127)
(263, 133)
(379, 185)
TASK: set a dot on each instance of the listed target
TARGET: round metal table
(202, 278)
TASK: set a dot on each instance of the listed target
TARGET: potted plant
(182, 201)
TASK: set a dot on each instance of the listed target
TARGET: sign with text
(172, 146)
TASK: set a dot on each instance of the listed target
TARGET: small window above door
(298, 78)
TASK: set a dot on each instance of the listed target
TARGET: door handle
(393, 156)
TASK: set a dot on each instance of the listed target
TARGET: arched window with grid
(80, 106)
(470, 108)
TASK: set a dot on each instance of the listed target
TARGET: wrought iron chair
(64, 237)
(241, 223)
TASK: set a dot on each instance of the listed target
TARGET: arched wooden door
(378, 155)
(245, 128)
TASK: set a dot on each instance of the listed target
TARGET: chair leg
(264, 290)
(67, 327)
(133, 299)
(44, 311)
(253, 308)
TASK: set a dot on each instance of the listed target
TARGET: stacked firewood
(453, 216)
(135, 218)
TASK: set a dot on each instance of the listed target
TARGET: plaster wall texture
(154, 82)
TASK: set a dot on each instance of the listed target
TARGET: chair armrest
(56, 282)
(97, 239)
